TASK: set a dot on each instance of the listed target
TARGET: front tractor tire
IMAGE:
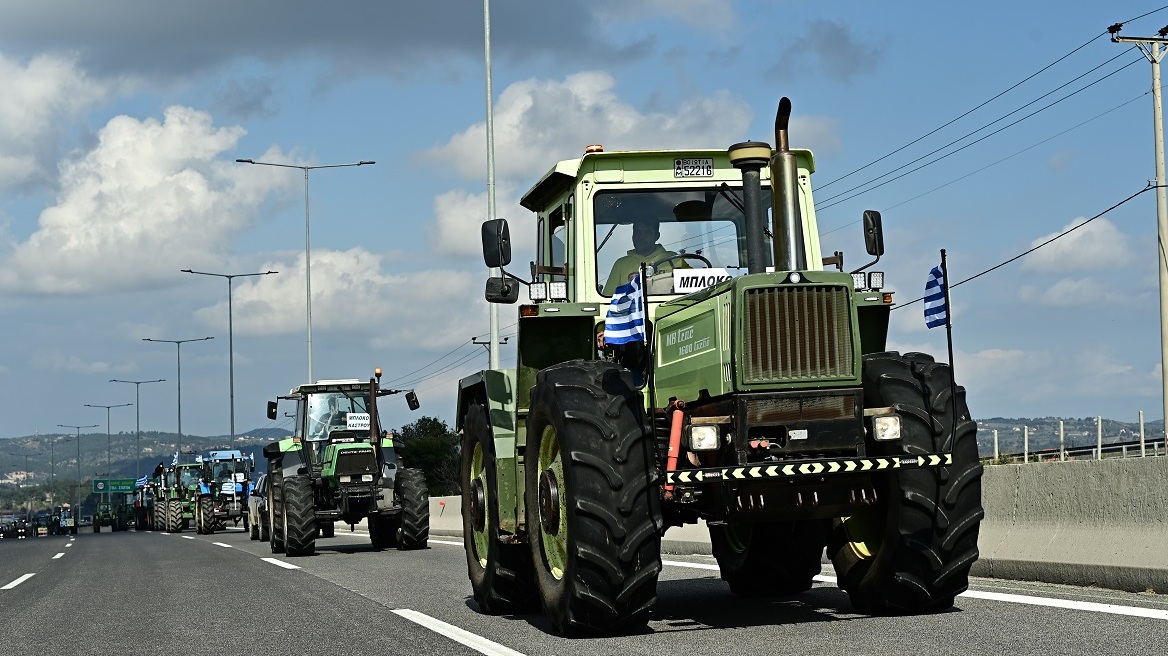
(414, 530)
(299, 517)
(912, 551)
(501, 573)
(276, 514)
(769, 558)
(205, 516)
(592, 498)
(174, 518)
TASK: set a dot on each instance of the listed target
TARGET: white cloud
(151, 196)
(537, 123)
(54, 360)
(1096, 245)
(458, 219)
(1070, 292)
(39, 97)
(352, 294)
(715, 16)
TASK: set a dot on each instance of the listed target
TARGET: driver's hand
(600, 340)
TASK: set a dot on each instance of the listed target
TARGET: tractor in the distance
(339, 465)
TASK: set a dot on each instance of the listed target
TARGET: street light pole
(77, 510)
(307, 240)
(178, 350)
(230, 338)
(137, 421)
(108, 439)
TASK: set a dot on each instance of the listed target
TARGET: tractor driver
(646, 232)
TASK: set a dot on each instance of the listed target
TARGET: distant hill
(56, 455)
(1044, 432)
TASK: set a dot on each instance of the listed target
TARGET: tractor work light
(859, 281)
(876, 280)
(886, 427)
(558, 291)
(537, 291)
(702, 438)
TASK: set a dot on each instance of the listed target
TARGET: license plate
(693, 167)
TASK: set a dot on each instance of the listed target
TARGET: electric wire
(1031, 250)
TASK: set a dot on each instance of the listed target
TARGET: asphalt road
(150, 593)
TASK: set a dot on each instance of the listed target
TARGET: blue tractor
(223, 490)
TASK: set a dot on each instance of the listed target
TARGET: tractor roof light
(876, 280)
(859, 281)
(558, 291)
(537, 291)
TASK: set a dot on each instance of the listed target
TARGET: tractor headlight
(886, 427)
(366, 478)
(344, 479)
(702, 438)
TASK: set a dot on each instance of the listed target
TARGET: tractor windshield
(327, 412)
(671, 229)
(224, 470)
(189, 476)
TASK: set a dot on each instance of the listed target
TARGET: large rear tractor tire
(174, 518)
(276, 515)
(912, 551)
(412, 493)
(299, 517)
(769, 558)
(501, 574)
(206, 516)
(592, 499)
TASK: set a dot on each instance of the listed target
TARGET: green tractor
(111, 515)
(339, 465)
(175, 496)
(760, 399)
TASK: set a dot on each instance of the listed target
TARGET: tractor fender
(496, 390)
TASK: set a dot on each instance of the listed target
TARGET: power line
(826, 203)
(1027, 252)
(983, 104)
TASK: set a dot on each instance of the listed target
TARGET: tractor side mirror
(412, 400)
(496, 243)
(501, 290)
(873, 233)
(271, 409)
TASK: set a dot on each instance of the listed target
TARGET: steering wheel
(682, 256)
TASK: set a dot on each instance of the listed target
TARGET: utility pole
(1153, 48)
(493, 346)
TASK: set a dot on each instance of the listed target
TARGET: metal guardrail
(1125, 449)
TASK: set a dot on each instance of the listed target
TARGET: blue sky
(120, 124)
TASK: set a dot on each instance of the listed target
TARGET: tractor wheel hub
(549, 502)
(478, 506)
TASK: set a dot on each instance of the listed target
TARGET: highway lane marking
(457, 544)
(18, 581)
(279, 563)
(1094, 607)
(59, 555)
(462, 636)
(68, 545)
(187, 537)
(220, 544)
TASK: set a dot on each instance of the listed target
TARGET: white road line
(18, 581)
(462, 636)
(188, 537)
(59, 555)
(279, 563)
(457, 544)
(68, 545)
(220, 544)
(1114, 609)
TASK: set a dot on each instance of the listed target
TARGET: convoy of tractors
(722, 371)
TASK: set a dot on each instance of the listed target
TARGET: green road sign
(103, 485)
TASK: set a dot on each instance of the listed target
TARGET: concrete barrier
(1101, 523)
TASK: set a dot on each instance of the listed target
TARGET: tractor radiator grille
(356, 462)
(797, 333)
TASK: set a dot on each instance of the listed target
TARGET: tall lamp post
(307, 240)
(78, 440)
(108, 439)
(137, 421)
(178, 350)
(53, 469)
(26, 456)
(230, 338)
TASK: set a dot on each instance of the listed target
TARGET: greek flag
(174, 461)
(142, 482)
(625, 321)
(936, 313)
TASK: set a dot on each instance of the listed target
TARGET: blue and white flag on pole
(174, 461)
(936, 312)
(625, 321)
(142, 482)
